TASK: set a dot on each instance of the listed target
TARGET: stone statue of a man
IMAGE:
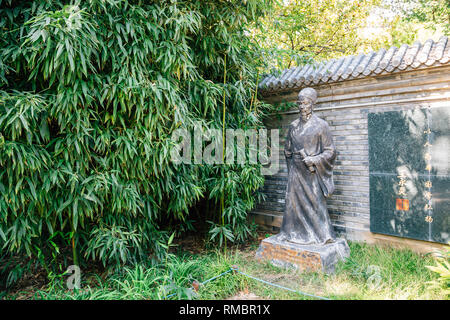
(310, 155)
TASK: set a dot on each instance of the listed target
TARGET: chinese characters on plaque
(427, 193)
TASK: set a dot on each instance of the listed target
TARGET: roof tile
(374, 62)
(446, 55)
(363, 64)
(438, 51)
(292, 78)
(334, 67)
(302, 72)
(325, 70)
(288, 76)
(342, 68)
(352, 65)
(386, 59)
(398, 57)
(425, 52)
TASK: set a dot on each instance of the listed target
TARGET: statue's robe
(306, 219)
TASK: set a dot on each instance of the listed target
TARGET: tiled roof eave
(374, 64)
(267, 93)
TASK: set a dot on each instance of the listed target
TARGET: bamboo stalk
(253, 100)
(222, 198)
(74, 250)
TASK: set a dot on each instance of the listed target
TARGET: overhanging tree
(298, 31)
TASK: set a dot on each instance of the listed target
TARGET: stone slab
(303, 257)
(409, 142)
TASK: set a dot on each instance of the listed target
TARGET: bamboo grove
(90, 92)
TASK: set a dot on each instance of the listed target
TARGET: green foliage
(407, 21)
(382, 268)
(221, 233)
(432, 13)
(297, 32)
(90, 93)
(145, 281)
(403, 276)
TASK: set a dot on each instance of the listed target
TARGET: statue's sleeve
(324, 161)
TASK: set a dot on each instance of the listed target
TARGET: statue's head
(307, 97)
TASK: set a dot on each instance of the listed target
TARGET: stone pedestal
(303, 257)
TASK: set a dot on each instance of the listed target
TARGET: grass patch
(388, 273)
(371, 272)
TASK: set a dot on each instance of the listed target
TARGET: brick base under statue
(303, 257)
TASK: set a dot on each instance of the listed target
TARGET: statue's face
(305, 106)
